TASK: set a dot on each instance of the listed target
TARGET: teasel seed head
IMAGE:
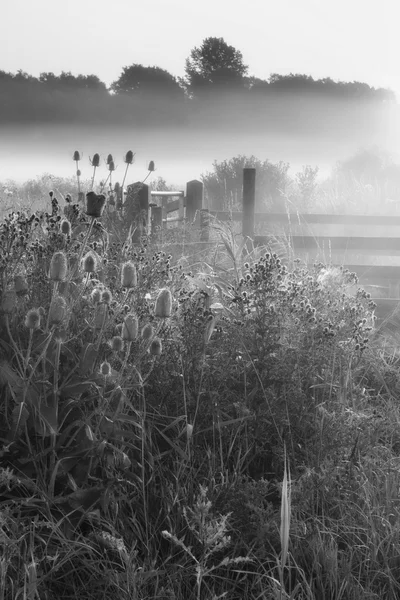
(109, 158)
(128, 275)
(9, 301)
(76, 156)
(32, 319)
(20, 285)
(163, 306)
(65, 227)
(147, 332)
(151, 167)
(129, 157)
(95, 161)
(130, 328)
(58, 266)
(100, 315)
(106, 296)
(95, 204)
(105, 368)
(155, 347)
(95, 296)
(117, 343)
(57, 311)
(111, 166)
(89, 262)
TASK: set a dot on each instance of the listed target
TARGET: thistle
(130, 327)
(163, 306)
(128, 275)
(58, 267)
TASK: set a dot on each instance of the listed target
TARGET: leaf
(76, 388)
(50, 415)
(88, 359)
(19, 417)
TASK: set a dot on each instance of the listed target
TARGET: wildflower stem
(94, 173)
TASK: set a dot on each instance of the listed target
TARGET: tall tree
(141, 80)
(215, 65)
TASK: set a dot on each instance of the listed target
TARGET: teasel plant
(129, 160)
(77, 157)
(151, 168)
(95, 163)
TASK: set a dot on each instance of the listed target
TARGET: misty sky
(342, 39)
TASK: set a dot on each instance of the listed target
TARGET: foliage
(137, 79)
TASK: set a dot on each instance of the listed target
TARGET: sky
(346, 40)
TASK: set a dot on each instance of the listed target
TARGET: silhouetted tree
(68, 81)
(138, 79)
(214, 65)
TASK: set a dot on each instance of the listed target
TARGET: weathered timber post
(194, 201)
(249, 198)
(156, 220)
(204, 225)
(137, 209)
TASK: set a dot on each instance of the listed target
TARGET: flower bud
(89, 263)
(95, 204)
(32, 319)
(100, 316)
(128, 275)
(106, 296)
(95, 296)
(95, 161)
(156, 347)
(117, 343)
(130, 328)
(129, 157)
(58, 310)
(20, 285)
(76, 156)
(65, 227)
(151, 166)
(147, 332)
(58, 267)
(105, 368)
(163, 305)
(9, 301)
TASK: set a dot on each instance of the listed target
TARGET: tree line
(213, 71)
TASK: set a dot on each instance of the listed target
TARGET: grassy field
(189, 421)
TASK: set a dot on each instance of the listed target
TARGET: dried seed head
(163, 305)
(117, 343)
(109, 158)
(130, 327)
(51, 193)
(147, 332)
(65, 227)
(95, 161)
(41, 310)
(156, 347)
(95, 204)
(89, 263)
(151, 166)
(129, 157)
(76, 156)
(111, 166)
(58, 266)
(20, 285)
(105, 368)
(58, 311)
(95, 296)
(106, 296)
(32, 319)
(100, 316)
(9, 301)
(128, 275)
(117, 187)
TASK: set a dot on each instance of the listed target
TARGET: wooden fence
(364, 244)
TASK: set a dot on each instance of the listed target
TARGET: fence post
(137, 209)
(249, 197)
(156, 220)
(204, 225)
(194, 200)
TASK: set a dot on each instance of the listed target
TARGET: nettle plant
(81, 330)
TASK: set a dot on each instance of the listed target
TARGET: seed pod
(20, 285)
(100, 316)
(95, 204)
(128, 275)
(9, 301)
(147, 332)
(95, 161)
(32, 319)
(95, 296)
(111, 166)
(76, 156)
(105, 368)
(58, 267)
(130, 327)
(117, 343)
(65, 227)
(163, 305)
(151, 166)
(129, 157)
(58, 310)
(109, 158)
(106, 297)
(89, 263)
(156, 347)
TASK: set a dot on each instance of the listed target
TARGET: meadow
(187, 421)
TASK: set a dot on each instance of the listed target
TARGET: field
(182, 420)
